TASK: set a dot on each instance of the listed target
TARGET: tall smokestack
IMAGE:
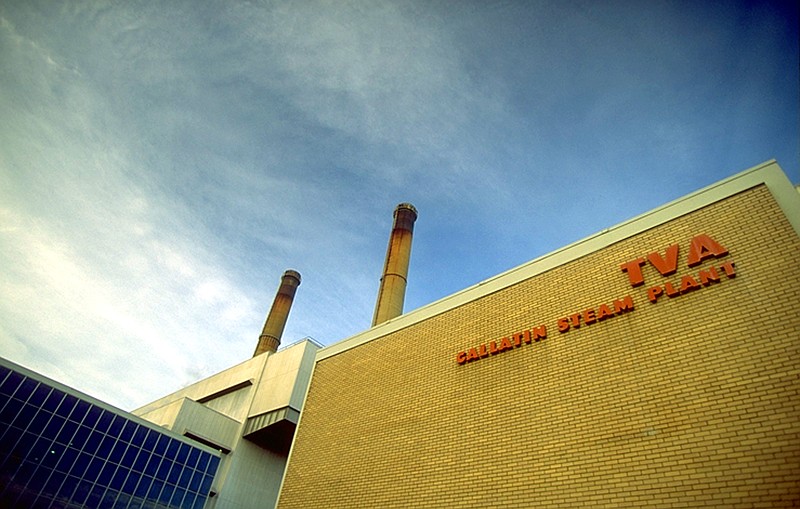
(392, 292)
(270, 337)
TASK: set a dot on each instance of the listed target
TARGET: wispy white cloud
(161, 165)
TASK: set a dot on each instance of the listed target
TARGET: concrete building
(60, 448)
(248, 412)
(654, 364)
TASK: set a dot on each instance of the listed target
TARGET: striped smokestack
(392, 292)
(270, 337)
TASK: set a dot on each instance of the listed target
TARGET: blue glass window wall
(60, 451)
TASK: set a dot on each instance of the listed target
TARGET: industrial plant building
(654, 364)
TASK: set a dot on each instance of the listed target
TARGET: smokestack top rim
(406, 206)
(292, 273)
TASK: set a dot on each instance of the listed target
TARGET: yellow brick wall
(689, 402)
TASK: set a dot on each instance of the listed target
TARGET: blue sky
(162, 163)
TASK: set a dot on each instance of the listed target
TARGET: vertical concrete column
(392, 291)
(270, 337)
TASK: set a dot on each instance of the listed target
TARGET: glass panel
(106, 445)
(203, 462)
(172, 449)
(54, 426)
(95, 496)
(70, 483)
(84, 487)
(194, 455)
(163, 470)
(67, 405)
(40, 447)
(10, 411)
(81, 464)
(206, 487)
(130, 456)
(175, 473)
(119, 479)
(150, 441)
(95, 467)
(166, 493)
(52, 456)
(40, 395)
(117, 452)
(52, 484)
(131, 482)
(9, 440)
(183, 453)
(4, 372)
(197, 479)
(67, 432)
(155, 489)
(116, 427)
(213, 464)
(128, 430)
(106, 473)
(26, 499)
(138, 436)
(152, 465)
(105, 421)
(92, 416)
(141, 461)
(200, 502)
(186, 476)
(53, 400)
(11, 383)
(80, 411)
(25, 416)
(25, 472)
(163, 442)
(26, 389)
(177, 497)
(39, 422)
(122, 501)
(37, 479)
(81, 437)
(67, 459)
(188, 502)
(143, 486)
(108, 499)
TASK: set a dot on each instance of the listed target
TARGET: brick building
(654, 364)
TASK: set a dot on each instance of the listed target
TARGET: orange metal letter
(703, 247)
(688, 283)
(654, 293)
(728, 268)
(634, 270)
(603, 312)
(665, 266)
(709, 276)
(621, 306)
